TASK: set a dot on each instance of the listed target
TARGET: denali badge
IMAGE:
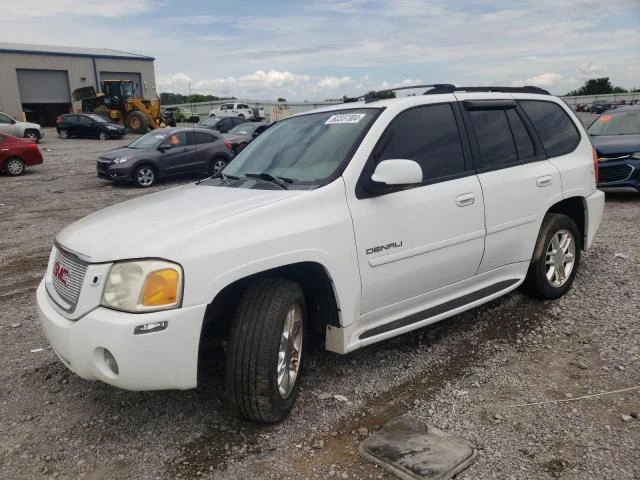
(60, 273)
(381, 248)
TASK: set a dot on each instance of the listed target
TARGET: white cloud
(94, 8)
(544, 79)
(171, 82)
(590, 68)
(332, 83)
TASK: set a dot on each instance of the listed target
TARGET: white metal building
(36, 81)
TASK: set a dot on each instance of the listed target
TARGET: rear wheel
(137, 122)
(144, 176)
(63, 133)
(14, 166)
(555, 259)
(216, 165)
(265, 350)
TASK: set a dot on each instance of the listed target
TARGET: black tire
(63, 133)
(251, 380)
(537, 284)
(33, 135)
(137, 122)
(145, 176)
(216, 165)
(241, 116)
(103, 136)
(14, 166)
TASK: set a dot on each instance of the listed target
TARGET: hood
(122, 152)
(610, 145)
(160, 224)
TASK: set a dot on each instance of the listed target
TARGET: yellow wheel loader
(121, 103)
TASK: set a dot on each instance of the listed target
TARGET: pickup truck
(241, 110)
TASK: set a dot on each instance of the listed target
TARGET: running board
(439, 309)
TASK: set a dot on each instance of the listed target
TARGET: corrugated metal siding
(43, 86)
(145, 69)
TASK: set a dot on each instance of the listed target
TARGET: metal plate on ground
(413, 450)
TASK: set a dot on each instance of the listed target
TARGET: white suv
(241, 110)
(16, 128)
(359, 222)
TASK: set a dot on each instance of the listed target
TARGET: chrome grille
(67, 276)
(614, 173)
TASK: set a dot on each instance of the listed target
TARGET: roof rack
(449, 88)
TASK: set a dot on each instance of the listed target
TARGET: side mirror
(393, 175)
(12, 121)
(164, 147)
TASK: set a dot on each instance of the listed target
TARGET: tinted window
(82, 120)
(4, 118)
(200, 137)
(494, 138)
(617, 123)
(554, 127)
(2, 138)
(524, 144)
(179, 139)
(428, 135)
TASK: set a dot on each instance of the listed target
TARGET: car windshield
(150, 140)
(304, 149)
(243, 129)
(210, 122)
(617, 123)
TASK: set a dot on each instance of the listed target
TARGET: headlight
(122, 159)
(143, 286)
(635, 156)
(112, 127)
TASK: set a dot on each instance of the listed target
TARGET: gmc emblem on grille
(60, 273)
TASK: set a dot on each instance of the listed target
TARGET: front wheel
(14, 166)
(265, 350)
(555, 259)
(32, 135)
(103, 136)
(64, 134)
(144, 176)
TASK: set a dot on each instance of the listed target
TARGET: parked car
(221, 124)
(360, 222)
(182, 114)
(16, 153)
(88, 125)
(615, 135)
(240, 136)
(241, 110)
(600, 106)
(163, 153)
(29, 130)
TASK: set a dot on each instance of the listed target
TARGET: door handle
(465, 199)
(544, 181)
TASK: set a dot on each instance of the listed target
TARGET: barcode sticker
(345, 118)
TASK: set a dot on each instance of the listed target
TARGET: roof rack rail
(372, 96)
(451, 89)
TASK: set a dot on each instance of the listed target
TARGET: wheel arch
(314, 279)
(145, 163)
(4, 163)
(574, 208)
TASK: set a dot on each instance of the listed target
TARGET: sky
(316, 50)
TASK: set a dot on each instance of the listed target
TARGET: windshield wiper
(270, 178)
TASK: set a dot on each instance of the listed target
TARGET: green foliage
(177, 98)
(381, 94)
(280, 99)
(597, 86)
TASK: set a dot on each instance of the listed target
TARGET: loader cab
(117, 93)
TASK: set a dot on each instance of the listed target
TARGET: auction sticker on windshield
(345, 118)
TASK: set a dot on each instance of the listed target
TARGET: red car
(16, 153)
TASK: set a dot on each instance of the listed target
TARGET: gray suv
(163, 153)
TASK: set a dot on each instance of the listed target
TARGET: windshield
(617, 123)
(150, 140)
(210, 122)
(244, 129)
(308, 148)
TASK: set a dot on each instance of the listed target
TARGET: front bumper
(113, 171)
(166, 359)
(620, 173)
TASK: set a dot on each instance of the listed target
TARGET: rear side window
(555, 128)
(497, 147)
(200, 137)
(524, 144)
(428, 135)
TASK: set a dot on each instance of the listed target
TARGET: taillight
(596, 168)
(59, 119)
(228, 145)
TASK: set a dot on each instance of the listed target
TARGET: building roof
(33, 49)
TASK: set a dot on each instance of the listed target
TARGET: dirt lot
(466, 375)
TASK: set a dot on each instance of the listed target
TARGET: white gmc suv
(241, 110)
(359, 222)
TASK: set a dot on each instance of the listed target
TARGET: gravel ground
(466, 375)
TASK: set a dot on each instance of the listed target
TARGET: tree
(280, 99)
(172, 98)
(597, 86)
(380, 95)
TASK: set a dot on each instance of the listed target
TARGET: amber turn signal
(161, 288)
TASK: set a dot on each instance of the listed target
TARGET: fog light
(110, 361)
(150, 328)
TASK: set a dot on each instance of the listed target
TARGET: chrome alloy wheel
(290, 351)
(14, 166)
(218, 165)
(560, 258)
(145, 176)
